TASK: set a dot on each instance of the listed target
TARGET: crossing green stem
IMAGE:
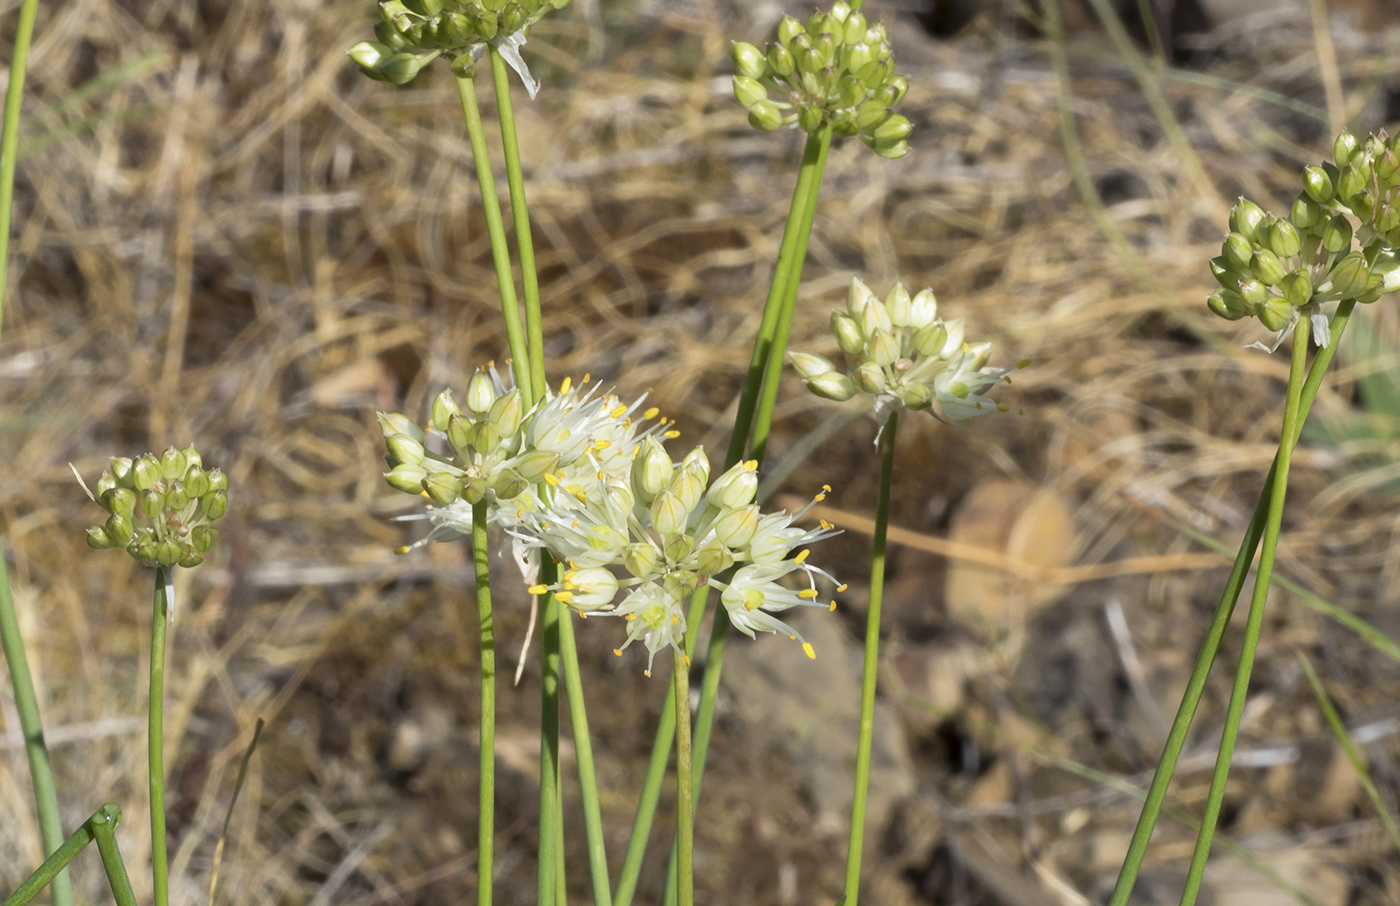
(524, 242)
(104, 826)
(486, 809)
(583, 750)
(500, 252)
(1205, 659)
(872, 653)
(787, 272)
(155, 739)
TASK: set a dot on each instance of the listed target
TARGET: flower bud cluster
(161, 508)
(413, 33)
(1336, 242)
(668, 530)
(835, 70)
(901, 353)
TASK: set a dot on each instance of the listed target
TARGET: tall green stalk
(1255, 623)
(500, 252)
(550, 827)
(685, 800)
(155, 739)
(583, 753)
(872, 654)
(786, 275)
(31, 724)
(1205, 659)
(486, 810)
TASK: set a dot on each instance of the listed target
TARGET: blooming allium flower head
(836, 69)
(175, 497)
(899, 352)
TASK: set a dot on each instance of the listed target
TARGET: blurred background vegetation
(225, 234)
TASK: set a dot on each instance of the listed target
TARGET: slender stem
(772, 377)
(1195, 685)
(549, 737)
(486, 810)
(685, 801)
(500, 252)
(32, 726)
(786, 275)
(54, 865)
(872, 653)
(155, 739)
(1255, 623)
(104, 826)
(524, 242)
(9, 144)
(583, 751)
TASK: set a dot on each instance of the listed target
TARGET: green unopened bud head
(1297, 287)
(736, 487)
(508, 484)
(848, 334)
(765, 115)
(444, 407)
(749, 91)
(1344, 148)
(809, 365)
(197, 482)
(668, 513)
(406, 478)
(98, 539)
(870, 116)
(923, 309)
(203, 537)
(1283, 239)
(713, 558)
(1254, 292)
(506, 413)
(1238, 251)
(790, 28)
(639, 558)
(481, 393)
(1306, 213)
(1267, 267)
(1227, 304)
(152, 502)
(809, 117)
(405, 449)
(899, 305)
(749, 61)
(930, 340)
(120, 529)
(168, 553)
(1353, 180)
(177, 498)
(368, 55)
(443, 487)
(1336, 236)
(1276, 314)
(870, 378)
(1317, 184)
(651, 468)
(883, 347)
(1351, 276)
(832, 386)
(1245, 218)
(400, 68)
(781, 60)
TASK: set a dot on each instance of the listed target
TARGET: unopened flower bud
(931, 339)
(1238, 251)
(1254, 292)
(120, 529)
(639, 558)
(668, 513)
(535, 464)
(1276, 314)
(736, 527)
(735, 488)
(121, 501)
(1245, 218)
(809, 117)
(508, 484)
(1351, 276)
(780, 60)
(832, 386)
(883, 347)
(406, 478)
(405, 449)
(481, 393)
(1317, 184)
(1227, 304)
(809, 365)
(1336, 236)
(749, 61)
(98, 539)
(869, 378)
(1297, 287)
(651, 468)
(899, 305)
(1283, 239)
(217, 505)
(713, 558)
(1306, 213)
(167, 552)
(749, 91)
(1344, 148)
(765, 115)
(444, 407)
(789, 28)
(1266, 266)
(847, 332)
(443, 487)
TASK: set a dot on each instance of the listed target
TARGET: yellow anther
(617, 651)
(565, 384)
(582, 497)
(563, 597)
(826, 525)
(601, 444)
(794, 637)
(801, 556)
(826, 488)
(631, 616)
(675, 619)
(651, 413)
(586, 377)
(582, 615)
(574, 524)
(832, 608)
(538, 589)
(634, 452)
(686, 658)
(618, 411)
(807, 594)
(647, 674)
(977, 406)
(819, 498)
(402, 550)
(807, 650)
(841, 587)
(751, 465)
(966, 348)
(671, 435)
(551, 480)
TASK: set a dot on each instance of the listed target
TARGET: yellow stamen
(807, 594)
(601, 444)
(826, 525)
(807, 650)
(617, 651)
(751, 465)
(586, 377)
(564, 386)
(631, 616)
(651, 413)
(582, 615)
(617, 412)
(402, 550)
(564, 597)
(841, 587)
(671, 435)
(551, 480)
(686, 658)
(832, 608)
(647, 673)
(801, 556)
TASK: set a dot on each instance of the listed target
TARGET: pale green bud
(857, 297)
(1297, 287)
(930, 340)
(884, 348)
(177, 498)
(855, 29)
(172, 464)
(899, 305)
(217, 505)
(956, 332)
(1350, 182)
(405, 449)
(1344, 148)
(443, 487)
(781, 61)
(874, 316)
(197, 482)
(736, 528)
(120, 469)
(789, 28)
(923, 309)
(765, 115)
(677, 546)
(809, 365)
(892, 152)
(916, 395)
(735, 488)
(1238, 251)
(847, 332)
(189, 559)
(1387, 217)
(119, 500)
(668, 513)
(1351, 275)
(893, 129)
(651, 468)
(400, 68)
(1336, 236)
(1228, 305)
(869, 378)
(406, 478)
(534, 464)
(203, 537)
(218, 480)
(1363, 204)
(369, 54)
(1284, 240)
(119, 528)
(152, 502)
(749, 91)
(506, 413)
(749, 61)
(696, 459)
(1245, 219)
(1306, 213)
(714, 558)
(1276, 314)
(1317, 184)
(474, 489)
(893, 91)
(809, 117)
(840, 10)
(832, 386)
(168, 553)
(508, 484)
(1266, 266)
(481, 393)
(444, 408)
(98, 539)
(639, 558)
(1254, 292)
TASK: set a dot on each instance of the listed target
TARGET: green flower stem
(486, 810)
(787, 271)
(32, 726)
(104, 825)
(54, 866)
(155, 740)
(525, 244)
(583, 750)
(872, 653)
(549, 738)
(500, 252)
(1195, 685)
(685, 800)
(1255, 623)
(45, 796)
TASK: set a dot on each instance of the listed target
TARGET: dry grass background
(238, 240)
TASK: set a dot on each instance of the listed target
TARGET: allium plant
(901, 355)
